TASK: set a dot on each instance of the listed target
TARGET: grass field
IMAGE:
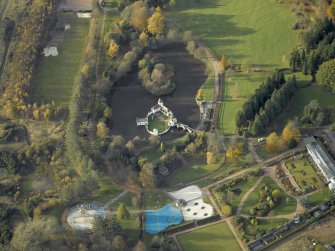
(208, 86)
(55, 76)
(318, 197)
(262, 152)
(246, 32)
(213, 238)
(156, 200)
(195, 168)
(286, 204)
(106, 191)
(130, 227)
(304, 174)
(302, 97)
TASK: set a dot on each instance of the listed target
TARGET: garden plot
(304, 174)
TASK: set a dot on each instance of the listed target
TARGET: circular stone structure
(81, 217)
(158, 123)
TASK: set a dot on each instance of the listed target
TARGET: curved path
(246, 195)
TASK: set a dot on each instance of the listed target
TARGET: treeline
(31, 32)
(261, 112)
(255, 102)
(318, 46)
(75, 150)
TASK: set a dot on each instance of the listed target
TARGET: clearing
(55, 76)
(213, 238)
(301, 98)
(247, 33)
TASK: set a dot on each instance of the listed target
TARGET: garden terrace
(304, 173)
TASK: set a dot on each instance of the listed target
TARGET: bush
(326, 75)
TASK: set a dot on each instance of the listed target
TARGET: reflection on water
(129, 99)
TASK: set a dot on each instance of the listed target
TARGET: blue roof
(158, 220)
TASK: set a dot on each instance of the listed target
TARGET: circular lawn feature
(158, 121)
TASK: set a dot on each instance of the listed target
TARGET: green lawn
(263, 152)
(127, 200)
(151, 153)
(304, 173)
(156, 200)
(106, 191)
(286, 204)
(159, 122)
(318, 197)
(234, 198)
(208, 86)
(194, 168)
(213, 238)
(246, 32)
(55, 76)
(302, 97)
(131, 229)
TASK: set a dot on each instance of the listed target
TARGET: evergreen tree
(122, 212)
(257, 126)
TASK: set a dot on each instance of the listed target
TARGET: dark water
(129, 99)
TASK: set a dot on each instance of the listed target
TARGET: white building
(322, 159)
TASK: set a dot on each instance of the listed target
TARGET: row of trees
(273, 107)
(318, 47)
(31, 32)
(255, 102)
(309, 63)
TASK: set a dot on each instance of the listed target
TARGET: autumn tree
(223, 62)
(140, 246)
(113, 49)
(210, 158)
(273, 142)
(140, 15)
(102, 130)
(156, 23)
(200, 94)
(227, 210)
(291, 134)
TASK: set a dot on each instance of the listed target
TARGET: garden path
(239, 241)
(290, 177)
(116, 198)
(246, 195)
